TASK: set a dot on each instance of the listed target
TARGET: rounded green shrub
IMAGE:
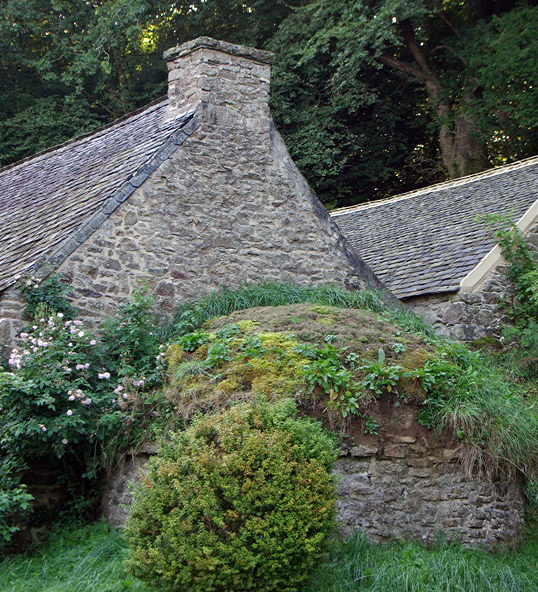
(242, 500)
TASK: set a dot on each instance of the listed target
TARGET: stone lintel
(250, 53)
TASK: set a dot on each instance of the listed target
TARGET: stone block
(420, 473)
(396, 450)
(364, 450)
(453, 313)
(402, 439)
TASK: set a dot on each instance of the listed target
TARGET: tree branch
(449, 23)
(408, 33)
(399, 65)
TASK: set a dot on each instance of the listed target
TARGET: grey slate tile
(428, 240)
(45, 201)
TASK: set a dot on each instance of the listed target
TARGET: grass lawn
(89, 559)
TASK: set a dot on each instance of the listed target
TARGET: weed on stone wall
(342, 360)
(521, 338)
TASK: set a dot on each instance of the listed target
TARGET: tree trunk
(461, 149)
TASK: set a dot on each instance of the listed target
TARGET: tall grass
(192, 315)
(356, 565)
(88, 559)
(492, 414)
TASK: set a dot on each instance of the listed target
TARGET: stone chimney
(228, 84)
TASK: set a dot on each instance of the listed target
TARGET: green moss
(259, 363)
(367, 358)
(247, 326)
(296, 319)
(322, 310)
(327, 321)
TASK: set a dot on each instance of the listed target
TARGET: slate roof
(427, 241)
(52, 202)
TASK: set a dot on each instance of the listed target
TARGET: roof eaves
(429, 292)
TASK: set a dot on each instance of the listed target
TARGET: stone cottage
(430, 250)
(197, 191)
(190, 193)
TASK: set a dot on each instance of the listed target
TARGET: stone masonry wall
(467, 315)
(404, 483)
(219, 212)
(471, 315)
(421, 496)
(407, 482)
(11, 313)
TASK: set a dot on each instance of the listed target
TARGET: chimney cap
(258, 55)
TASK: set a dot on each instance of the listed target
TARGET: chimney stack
(227, 83)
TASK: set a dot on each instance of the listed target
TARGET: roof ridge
(439, 186)
(93, 132)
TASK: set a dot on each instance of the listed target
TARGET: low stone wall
(422, 498)
(467, 316)
(472, 315)
(404, 483)
(408, 482)
(117, 496)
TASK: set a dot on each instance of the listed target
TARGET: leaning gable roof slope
(52, 202)
(427, 241)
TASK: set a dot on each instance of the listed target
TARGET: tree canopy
(373, 97)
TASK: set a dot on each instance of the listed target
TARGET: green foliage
(240, 501)
(192, 341)
(330, 374)
(276, 365)
(468, 393)
(458, 389)
(356, 132)
(89, 559)
(68, 67)
(381, 377)
(47, 297)
(370, 425)
(192, 315)
(231, 365)
(523, 307)
(326, 369)
(349, 91)
(501, 53)
(59, 393)
(350, 381)
(72, 402)
(57, 403)
(59, 400)
(14, 499)
(356, 565)
(132, 340)
(461, 390)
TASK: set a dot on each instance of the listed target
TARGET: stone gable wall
(220, 211)
(226, 207)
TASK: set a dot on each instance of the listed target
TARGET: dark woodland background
(373, 97)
